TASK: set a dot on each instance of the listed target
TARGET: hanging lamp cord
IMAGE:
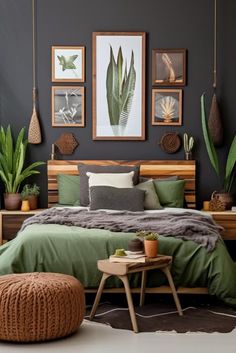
(215, 45)
(33, 53)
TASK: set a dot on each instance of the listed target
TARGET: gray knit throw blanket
(184, 225)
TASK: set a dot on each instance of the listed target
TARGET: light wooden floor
(96, 338)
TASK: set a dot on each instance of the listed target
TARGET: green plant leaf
(112, 85)
(128, 93)
(67, 63)
(9, 148)
(230, 164)
(208, 139)
(120, 67)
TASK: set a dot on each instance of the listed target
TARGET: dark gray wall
(169, 24)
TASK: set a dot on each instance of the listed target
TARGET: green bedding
(75, 251)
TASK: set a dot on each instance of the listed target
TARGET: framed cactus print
(68, 64)
(169, 67)
(167, 106)
(119, 85)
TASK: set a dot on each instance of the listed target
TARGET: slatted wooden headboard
(148, 168)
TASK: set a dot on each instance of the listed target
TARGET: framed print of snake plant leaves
(169, 67)
(68, 64)
(118, 85)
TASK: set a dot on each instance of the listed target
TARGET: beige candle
(206, 205)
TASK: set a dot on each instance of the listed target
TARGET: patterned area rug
(162, 316)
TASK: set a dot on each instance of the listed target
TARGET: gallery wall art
(68, 106)
(167, 107)
(119, 85)
(68, 64)
(169, 67)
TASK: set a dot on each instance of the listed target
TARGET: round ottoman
(40, 306)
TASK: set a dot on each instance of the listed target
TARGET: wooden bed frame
(148, 168)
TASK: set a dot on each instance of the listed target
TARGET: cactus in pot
(188, 146)
(150, 243)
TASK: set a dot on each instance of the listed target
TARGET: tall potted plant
(224, 194)
(12, 172)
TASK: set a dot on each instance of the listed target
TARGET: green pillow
(151, 200)
(170, 193)
(68, 189)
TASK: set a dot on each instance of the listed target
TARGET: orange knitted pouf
(40, 306)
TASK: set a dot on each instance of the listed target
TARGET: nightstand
(226, 219)
(11, 221)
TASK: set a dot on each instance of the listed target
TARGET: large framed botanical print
(119, 85)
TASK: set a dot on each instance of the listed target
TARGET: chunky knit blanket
(186, 225)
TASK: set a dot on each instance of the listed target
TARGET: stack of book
(141, 258)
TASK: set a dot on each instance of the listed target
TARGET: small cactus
(148, 235)
(188, 143)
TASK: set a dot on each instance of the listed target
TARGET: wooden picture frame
(68, 63)
(111, 120)
(167, 106)
(68, 106)
(169, 67)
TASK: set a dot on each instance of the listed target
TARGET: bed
(75, 250)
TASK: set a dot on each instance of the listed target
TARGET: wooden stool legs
(143, 288)
(172, 286)
(125, 281)
(166, 271)
(105, 276)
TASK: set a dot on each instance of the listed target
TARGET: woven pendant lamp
(214, 122)
(34, 133)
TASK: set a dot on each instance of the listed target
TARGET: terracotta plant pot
(33, 202)
(12, 201)
(151, 248)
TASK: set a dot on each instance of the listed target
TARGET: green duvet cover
(75, 251)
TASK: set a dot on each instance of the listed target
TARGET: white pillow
(117, 180)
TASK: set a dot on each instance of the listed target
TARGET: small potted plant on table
(150, 243)
(31, 193)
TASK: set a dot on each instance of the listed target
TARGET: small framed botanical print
(169, 67)
(167, 107)
(68, 106)
(68, 64)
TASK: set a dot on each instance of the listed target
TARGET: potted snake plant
(224, 195)
(12, 171)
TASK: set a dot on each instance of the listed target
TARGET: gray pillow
(108, 197)
(84, 168)
(143, 179)
(151, 201)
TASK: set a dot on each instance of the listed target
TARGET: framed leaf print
(169, 67)
(68, 106)
(119, 85)
(68, 64)
(167, 106)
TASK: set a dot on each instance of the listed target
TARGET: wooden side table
(122, 270)
(11, 221)
(226, 219)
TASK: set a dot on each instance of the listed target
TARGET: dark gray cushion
(107, 197)
(84, 168)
